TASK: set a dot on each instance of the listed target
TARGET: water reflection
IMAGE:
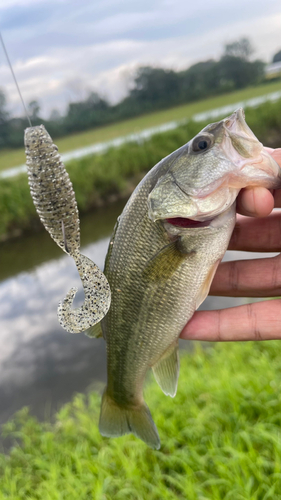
(26, 253)
(39, 361)
(41, 365)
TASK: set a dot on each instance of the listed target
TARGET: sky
(63, 49)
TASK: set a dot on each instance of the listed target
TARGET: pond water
(41, 365)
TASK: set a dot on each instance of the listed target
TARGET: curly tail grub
(55, 203)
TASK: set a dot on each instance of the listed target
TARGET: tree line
(153, 89)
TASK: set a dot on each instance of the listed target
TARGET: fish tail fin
(116, 421)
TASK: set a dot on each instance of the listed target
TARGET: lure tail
(97, 298)
(116, 421)
(54, 199)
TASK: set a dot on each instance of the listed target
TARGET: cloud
(9, 4)
(58, 47)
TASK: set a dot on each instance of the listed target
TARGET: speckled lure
(54, 200)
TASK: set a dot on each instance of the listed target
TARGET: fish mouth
(236, 124)
(188, 223)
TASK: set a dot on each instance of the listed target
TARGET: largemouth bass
(161, 260)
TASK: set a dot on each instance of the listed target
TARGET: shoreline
(101, 179)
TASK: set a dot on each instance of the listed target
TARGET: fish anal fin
(94, 331)
(166, 370)
(204, 290)
(116, 421)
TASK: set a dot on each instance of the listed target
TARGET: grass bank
(220, 439)
(12, 158)
(98, 179)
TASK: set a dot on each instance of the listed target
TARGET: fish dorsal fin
(166, 370)
(94, 332)
(204, 290)
(164, 263)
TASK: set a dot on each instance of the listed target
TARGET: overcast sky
(62, 49)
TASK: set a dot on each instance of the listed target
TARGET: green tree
(235, 72)
(84, 114)
(240, 48)
(199, 80)
(155, 87)
(4, 120)
(3, 112)
(33, 110)
(277, 57)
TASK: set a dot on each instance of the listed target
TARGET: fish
(162, 257)
(54, 199)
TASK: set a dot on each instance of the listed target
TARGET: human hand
(247, 278)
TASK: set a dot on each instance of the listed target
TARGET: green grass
(12, 158)
(98, 179)
(104, 177)
(220, 438)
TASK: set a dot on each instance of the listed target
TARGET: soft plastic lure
(54, 200)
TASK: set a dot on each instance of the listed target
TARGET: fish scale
(140, 330)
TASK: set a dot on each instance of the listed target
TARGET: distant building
(273, 70)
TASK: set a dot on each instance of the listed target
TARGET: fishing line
(15, 80)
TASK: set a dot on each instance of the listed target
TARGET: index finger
(257, 321)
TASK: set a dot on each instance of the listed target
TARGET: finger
(277, 198)
(258, 321)
(248, 278)
(276, 154)
(257, 235)
(255, 202)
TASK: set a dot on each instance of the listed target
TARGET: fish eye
(201, 143)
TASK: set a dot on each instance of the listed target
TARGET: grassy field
(115, 173)
(220, 439)
(12, 158)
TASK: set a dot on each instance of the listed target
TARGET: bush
(96, 178)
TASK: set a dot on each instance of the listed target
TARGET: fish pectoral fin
(204, 290)
(164, 263)
(166, 370)
(94, 332)
(117, 420)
